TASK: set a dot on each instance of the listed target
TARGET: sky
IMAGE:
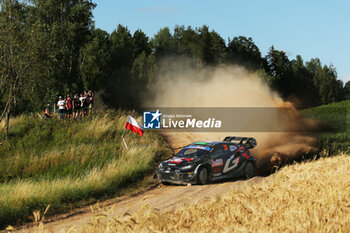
(310, 28)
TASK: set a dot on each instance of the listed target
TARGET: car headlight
(187, 167)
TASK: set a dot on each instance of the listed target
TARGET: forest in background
(51, 48)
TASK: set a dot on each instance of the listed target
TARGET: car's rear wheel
(202, 176)
(249, 170)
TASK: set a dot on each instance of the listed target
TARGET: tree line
(51, 47)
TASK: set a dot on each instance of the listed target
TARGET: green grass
(335, 118)
(66, 164)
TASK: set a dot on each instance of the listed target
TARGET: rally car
(203, 162)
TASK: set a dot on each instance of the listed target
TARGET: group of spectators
(74, 108)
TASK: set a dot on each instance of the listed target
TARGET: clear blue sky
(311, 28)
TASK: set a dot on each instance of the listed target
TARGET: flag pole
(126, 145)
(123, 132)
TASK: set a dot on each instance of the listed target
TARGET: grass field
(66, 164)
(307, 197)
(335, 137)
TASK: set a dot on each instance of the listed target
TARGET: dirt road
(159, 197)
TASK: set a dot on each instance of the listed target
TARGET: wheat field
(308, 197)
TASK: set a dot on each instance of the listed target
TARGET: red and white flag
(134, 126)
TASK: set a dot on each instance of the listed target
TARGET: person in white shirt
(83, 104)
(61, 104)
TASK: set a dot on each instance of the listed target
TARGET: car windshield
(192, 153)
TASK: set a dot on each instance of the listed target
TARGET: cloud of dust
(179, 85)
(99, 104)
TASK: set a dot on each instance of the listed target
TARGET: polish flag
(134, 126)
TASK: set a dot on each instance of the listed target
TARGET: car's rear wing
(247, 142)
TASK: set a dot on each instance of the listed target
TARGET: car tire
(249, 170)
(202, 177)
(166, 183)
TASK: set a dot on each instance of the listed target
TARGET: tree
(205, 41)
(118, 84)
(141, 43)
(218, 47)
(143, 71)
(243, 51)
(305, 90)
(163, 43)
(187, 44)
(280, 69)
(332, 88)
(94, 60)
(314, 66)
(63, 28)
(15, 59)
(347, 90)
(325, 79)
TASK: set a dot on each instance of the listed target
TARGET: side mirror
(250, 144)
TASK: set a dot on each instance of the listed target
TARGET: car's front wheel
(202, 176)
(249, 170)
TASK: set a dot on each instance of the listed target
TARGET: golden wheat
(307, 197)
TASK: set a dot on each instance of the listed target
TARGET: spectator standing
(76, 106)
(83, 104)
(61, 104)
(91, 101)
(69, 107)
(87, 103)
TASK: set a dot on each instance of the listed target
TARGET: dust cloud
(180, 85)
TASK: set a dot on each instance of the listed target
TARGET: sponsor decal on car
(243, 152)
(201, 143)
(245, 155)
(217, 170)
(198, 147)
(179, 160)
(231, 164)
(232, 147)
(217, 163)
(225, 147)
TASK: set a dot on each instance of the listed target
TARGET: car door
(232, 160)
(219, 156)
